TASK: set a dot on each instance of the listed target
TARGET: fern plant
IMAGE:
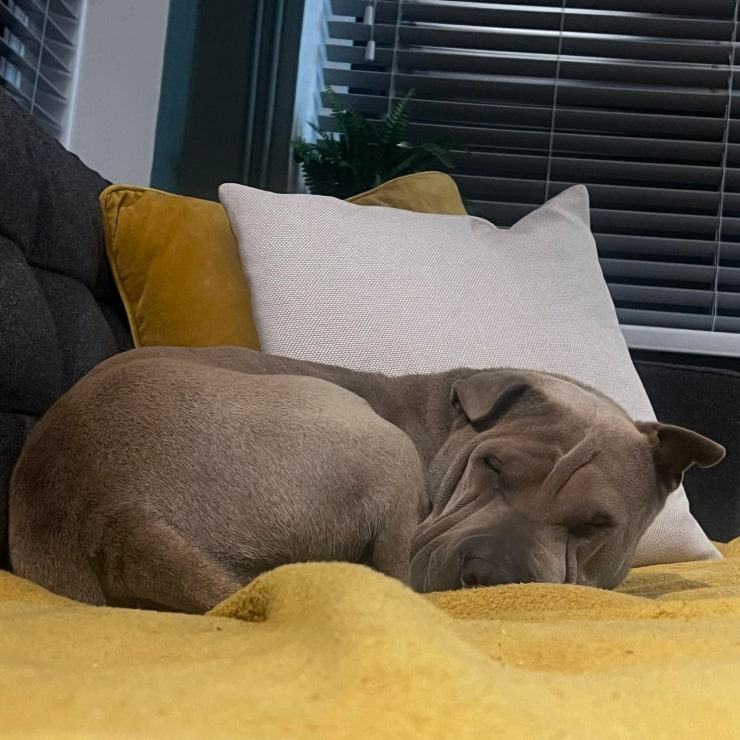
(361, 156)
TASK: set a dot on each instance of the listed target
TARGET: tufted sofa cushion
(59, 309)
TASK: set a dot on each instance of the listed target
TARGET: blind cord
(551, 142)
(394, 61)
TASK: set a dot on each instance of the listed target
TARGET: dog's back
(204, 470)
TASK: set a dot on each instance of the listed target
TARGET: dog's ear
(676, 449)
(488, 394)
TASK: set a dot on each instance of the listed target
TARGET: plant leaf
(361, 155)
(395, 124)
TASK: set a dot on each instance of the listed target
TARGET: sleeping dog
(169, 478)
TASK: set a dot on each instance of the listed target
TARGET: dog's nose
(489, 561)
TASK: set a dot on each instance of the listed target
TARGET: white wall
(113, 114)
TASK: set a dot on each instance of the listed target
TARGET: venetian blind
(637, 99)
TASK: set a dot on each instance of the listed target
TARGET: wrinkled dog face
(545, 480)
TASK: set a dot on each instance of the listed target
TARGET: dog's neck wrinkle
(420, 406)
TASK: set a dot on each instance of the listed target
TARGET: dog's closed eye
(599, 523)
(493, 463)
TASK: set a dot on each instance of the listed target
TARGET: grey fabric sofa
(59, 310)
(60, 315)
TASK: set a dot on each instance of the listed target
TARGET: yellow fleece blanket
(337, 651)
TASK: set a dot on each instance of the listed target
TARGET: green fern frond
(411, 162)
(440, 150)
(326, 136)
(361, 154)
(395, 124)
(336, 106)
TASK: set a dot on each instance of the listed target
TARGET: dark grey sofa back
(59, 310)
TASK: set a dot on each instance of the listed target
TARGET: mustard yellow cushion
(176, 263)
(423, 192)
(177, 268)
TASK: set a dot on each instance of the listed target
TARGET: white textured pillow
(394, 291)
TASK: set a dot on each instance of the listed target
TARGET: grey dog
(169, 478)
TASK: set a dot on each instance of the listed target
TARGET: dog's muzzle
(487, 560)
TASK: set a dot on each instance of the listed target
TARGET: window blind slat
(661, 150)
(656, 201)
(730, 252)
(647, 247)
(498, 63)
(526, 91)
(538, 42)
(730, 324)
(706, 8)
(511, 90)
(684, 298)
(615, 122)
(721, 9)
(679, 225)
(621, 174)
(731, 227)
(672, 319)
(729, 280)
(541, 17)
(701, 276)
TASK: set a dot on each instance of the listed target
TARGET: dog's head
(543, 479)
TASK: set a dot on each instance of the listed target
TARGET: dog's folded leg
(390, 550)
(147, 564)
(406, 503)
